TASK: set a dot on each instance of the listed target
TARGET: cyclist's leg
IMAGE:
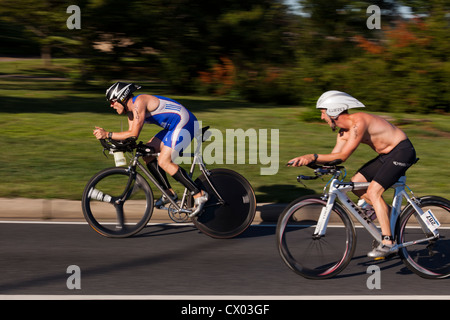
(374, 195)
(174, 142)
(366, 174)
(358, 177)
(152, 164)
(394, 166)
(177, 172)
(165, 160)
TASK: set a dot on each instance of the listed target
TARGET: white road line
(223, 297)
(85, 223)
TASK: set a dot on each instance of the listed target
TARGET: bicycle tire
(228, 220)
(296, 241)
(112, 218)
(431, 259)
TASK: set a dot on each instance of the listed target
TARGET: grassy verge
(48, 150)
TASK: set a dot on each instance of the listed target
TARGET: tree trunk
(46, 55)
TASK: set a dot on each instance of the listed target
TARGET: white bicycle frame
(339, 189)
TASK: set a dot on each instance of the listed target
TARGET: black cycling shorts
(387, 168)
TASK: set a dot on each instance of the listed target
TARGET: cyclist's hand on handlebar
(301, 161)
(100, 133)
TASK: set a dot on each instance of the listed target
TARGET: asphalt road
(179, 261)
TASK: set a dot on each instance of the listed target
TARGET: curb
(70, 210)
(22, 209)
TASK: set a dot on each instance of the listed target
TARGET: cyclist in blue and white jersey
(179, 128)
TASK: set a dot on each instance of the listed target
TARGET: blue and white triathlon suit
(179, 124)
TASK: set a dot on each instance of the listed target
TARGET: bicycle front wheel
(117, 203)
(235, 214)
(310, 255)
(429, 259)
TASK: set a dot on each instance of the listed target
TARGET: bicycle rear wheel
(309, 255)
(117, 203)
(231, 218)
(429, 259)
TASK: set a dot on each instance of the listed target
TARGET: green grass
(48, 150)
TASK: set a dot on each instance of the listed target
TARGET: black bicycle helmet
(121, 91)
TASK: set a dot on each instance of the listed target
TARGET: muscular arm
(136, 119)
(346, 143)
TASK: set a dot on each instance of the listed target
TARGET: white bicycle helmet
(336, 102)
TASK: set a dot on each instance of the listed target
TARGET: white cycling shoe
(161, 202)
(383, 251)
(199, 203)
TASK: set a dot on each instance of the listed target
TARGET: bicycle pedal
(393, 254)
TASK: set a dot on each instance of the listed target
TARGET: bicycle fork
(324, 217)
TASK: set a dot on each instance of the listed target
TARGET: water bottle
(119, 159)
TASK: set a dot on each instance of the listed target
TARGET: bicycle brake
(299, 179)
(302, 177)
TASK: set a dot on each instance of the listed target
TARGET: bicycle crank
(177, 216)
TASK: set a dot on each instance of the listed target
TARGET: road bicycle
(118, 202)
(316, 235)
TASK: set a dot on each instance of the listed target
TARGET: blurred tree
(405, 69)
(14, 38)
(424, 7)
(332, 25)
(45, 20)
(254, 49)
(193, 36)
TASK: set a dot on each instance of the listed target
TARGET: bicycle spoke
(424, 254)
(120, 216)
(128, 207)
(307, 254)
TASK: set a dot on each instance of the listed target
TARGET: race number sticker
(430, 220)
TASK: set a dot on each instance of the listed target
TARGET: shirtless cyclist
(179, 128)
(395, 155)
